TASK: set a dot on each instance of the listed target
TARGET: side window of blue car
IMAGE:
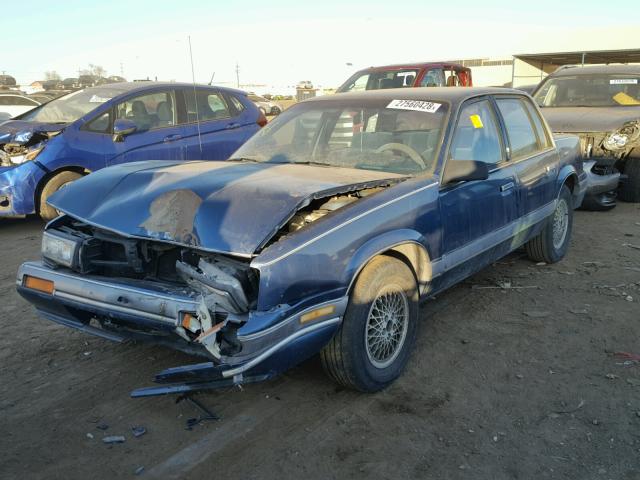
(149, 111)
(477, 136)
(522, 135)
(100, 124)
(205, 105)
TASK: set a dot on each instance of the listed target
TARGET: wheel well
(414, 256)
(570, 182)
(49, 176)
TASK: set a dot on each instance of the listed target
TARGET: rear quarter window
(522, 135)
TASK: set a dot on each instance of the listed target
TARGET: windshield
(71, 107)
(380, 79)
(590, 91)
(398, 136)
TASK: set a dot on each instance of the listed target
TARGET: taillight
(262, 120)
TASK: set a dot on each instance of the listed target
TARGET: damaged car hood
(229, 207)
(11, 129)
(589, 119)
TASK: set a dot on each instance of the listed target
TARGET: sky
(283, 42)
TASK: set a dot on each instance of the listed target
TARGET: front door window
(150, 111)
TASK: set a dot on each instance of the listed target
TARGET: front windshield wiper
(311, 162)
(244, 159)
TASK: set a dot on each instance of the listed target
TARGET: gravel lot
(504, 383)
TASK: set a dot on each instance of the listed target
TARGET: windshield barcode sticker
(417, 105)
(98, 99)
(623, 81)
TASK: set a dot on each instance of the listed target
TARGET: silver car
(266, 106)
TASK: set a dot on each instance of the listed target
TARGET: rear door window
(434, 77)
(521, 132)
(543, 138)
(205, 105)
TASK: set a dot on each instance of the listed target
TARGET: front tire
(373, 344)
(55, 183)
(552, 243)
(630, 188)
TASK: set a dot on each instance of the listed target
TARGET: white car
(14, 104)
(267, 107)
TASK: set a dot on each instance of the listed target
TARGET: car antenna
(195, 98)
(212, 75)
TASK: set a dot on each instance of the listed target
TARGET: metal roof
(582, 57)
(597, 69)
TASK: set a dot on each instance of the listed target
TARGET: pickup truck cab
(432, 74)
(311, 238)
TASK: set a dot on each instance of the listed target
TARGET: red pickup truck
(437, 74)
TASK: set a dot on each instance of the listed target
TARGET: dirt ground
(504, 383)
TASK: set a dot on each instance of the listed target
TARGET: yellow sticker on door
(476, 121)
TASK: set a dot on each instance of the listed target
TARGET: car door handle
(232, 125)
(507, 186)
(172, 138)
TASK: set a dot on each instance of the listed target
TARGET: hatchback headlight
(60, 249)
(615, 141)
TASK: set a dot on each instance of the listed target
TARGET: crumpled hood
(231, 207)
(589, 119)
(11, 128)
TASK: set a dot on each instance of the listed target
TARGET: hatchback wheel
(374, 342)
(55, 183)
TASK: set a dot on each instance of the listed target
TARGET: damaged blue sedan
(321, 234)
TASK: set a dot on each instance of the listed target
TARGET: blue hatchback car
(46, 148)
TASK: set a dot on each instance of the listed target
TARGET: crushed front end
(20, 172)
(605, 154)
(202, 303)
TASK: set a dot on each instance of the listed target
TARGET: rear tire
(552, 243)
(55, 183)
(373, 344)
(630, 188)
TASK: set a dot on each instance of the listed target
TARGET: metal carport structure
(537, 65)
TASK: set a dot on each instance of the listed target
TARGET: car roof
(399, 66)
(596, 69)
(141, 86)
(453, 95)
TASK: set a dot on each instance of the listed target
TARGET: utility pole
(237, 75)
(121, 70)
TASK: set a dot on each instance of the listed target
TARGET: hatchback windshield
(590, 91)
(398, 136)
(71, 107)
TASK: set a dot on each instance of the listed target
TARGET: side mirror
(123, 127)
(464, 171)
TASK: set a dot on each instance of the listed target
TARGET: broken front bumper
(120, 309)
(18, 187)
(601, 188)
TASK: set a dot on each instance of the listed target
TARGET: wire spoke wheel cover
(386, 328)
(560, 223)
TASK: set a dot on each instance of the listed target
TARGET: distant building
(531, 68)
(488, 72)
(37, 86)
